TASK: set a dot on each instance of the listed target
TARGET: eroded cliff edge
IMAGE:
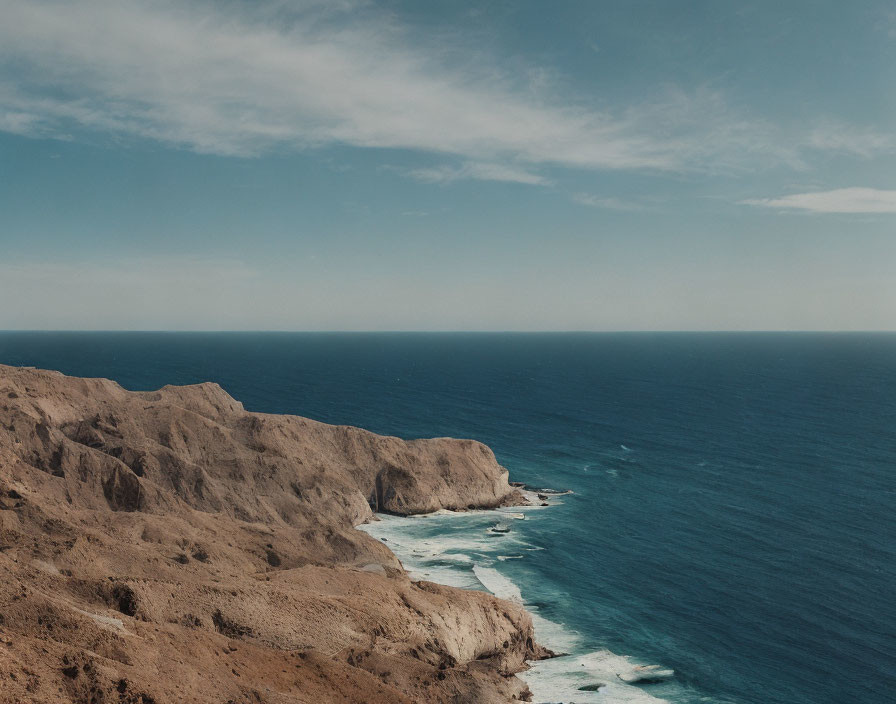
(169, 546)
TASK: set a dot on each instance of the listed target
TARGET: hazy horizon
(395, 166)
(434, 331)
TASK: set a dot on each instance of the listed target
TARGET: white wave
(412, 536)
(464, 558)
(498, 584)
(552, 635)
(646, 673)
(561, 680)
(456, 557)
(537, 503)
(443, 558)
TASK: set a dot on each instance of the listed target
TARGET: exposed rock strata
(169, 546)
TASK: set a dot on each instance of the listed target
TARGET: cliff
(169, 546)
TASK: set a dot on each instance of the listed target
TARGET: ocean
(734, 508)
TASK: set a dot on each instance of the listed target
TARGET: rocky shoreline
(169, 546)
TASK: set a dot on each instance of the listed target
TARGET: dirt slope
(169, 546)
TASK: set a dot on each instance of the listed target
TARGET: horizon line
(446, 331)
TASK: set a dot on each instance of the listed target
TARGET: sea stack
(169, 546)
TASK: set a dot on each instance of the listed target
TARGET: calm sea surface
(734, 514)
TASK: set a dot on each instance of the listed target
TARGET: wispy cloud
(887, 23)
(213, 78)
(607, 202)
(18, 122)
(846, 139)
(841, 200)
(478, 171)
(246, 79)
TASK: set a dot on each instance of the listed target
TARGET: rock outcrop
(169, 546)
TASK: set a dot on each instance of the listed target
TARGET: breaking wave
(458, 550)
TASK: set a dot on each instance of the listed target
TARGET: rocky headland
(169, 546)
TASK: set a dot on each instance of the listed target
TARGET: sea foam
(458, 550)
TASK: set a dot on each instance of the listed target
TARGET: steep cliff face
(170, 546)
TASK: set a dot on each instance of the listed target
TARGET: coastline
(461, 549)
(239, 516)
(646, 558)
(173, 532)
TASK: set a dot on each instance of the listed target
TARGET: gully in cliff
(170, 546)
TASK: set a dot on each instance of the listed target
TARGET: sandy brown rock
(169, 546)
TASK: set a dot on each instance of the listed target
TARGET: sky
(404, 165)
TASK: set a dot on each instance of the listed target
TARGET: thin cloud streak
(606, 202)
(478, 171)
(844, 139)
(215, 81)
(841, 200)
(210, 78)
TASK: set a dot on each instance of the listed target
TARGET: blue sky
(346, 165)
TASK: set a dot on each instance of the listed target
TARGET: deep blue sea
(734, 514)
